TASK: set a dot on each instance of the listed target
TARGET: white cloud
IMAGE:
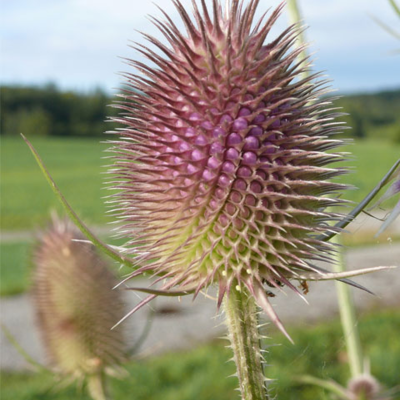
(76, 43)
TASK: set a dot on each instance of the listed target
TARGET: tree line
(47, 111)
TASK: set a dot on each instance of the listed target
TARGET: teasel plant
(221, 167)
(362, 385)
(76, 308)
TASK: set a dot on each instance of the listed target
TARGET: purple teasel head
(222, 164)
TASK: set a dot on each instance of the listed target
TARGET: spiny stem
(348, 319)
(241, 319)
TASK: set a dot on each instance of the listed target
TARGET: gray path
(181, 324)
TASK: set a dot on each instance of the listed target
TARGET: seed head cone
(363, 386)
(75, 304)
(222, 162)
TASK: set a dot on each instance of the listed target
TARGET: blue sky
(78, 44)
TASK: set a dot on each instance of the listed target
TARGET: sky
(81, 44)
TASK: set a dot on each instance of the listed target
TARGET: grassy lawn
(15, 267)
(77, 166)
(372, 160)
(202, 372)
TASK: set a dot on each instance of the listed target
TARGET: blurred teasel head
(76, 305)
(222, 163)
(364, 387)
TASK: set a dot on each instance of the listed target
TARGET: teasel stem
(348, 318)
(242, 322)
(345, 298)
(97, 387)
(295, 18)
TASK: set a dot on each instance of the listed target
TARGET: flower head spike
(76, 305)
(222, 164)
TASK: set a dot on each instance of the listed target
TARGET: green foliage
(202, 373)
(35, 120)
(48, 111)
(372, 116)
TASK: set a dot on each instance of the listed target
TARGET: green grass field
(14, 268)
(202, 373)
(75, 164)
(77, 167)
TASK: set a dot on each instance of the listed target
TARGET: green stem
(395, 7)
(97, 386)
(295, 18)
(348, 319)
(241, 319)
(330, 385)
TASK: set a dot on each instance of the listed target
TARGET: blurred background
(60, 65)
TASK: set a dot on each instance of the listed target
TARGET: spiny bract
(222, 162)
(75, 304)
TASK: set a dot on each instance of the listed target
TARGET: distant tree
(48, 111)
(52, 112)
(35, 121)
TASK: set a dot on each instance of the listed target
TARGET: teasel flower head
(222, 164)
(76, 306)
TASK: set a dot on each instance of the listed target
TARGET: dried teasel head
(75, 303)
(363, 387)
(222, 164)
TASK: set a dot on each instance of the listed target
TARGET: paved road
(181, 324)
